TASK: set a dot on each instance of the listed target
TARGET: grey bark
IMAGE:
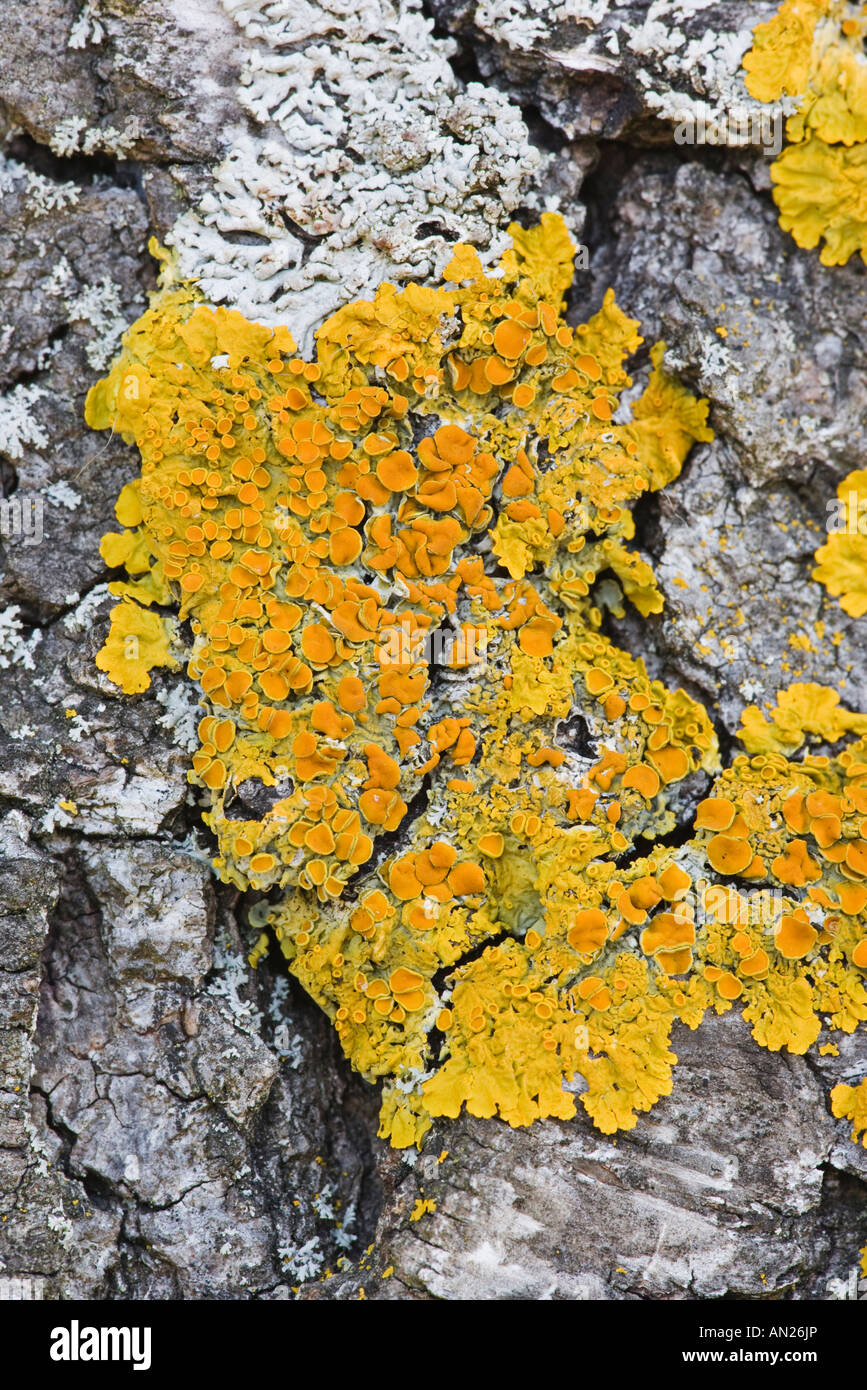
(173, 1125)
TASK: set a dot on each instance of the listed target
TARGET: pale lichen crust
(363, 159)
(455, 792)
(813, 52)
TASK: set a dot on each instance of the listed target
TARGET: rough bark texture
(172, 1124)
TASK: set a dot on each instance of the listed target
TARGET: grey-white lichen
(62, 495)
(100, 306)
(42, 195)
(685, 71)
(87, 29)
(15, 648)
(18, 425)
(365, 159)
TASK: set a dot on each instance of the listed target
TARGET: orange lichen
(389, 562)
(795, 937)
(714, 813)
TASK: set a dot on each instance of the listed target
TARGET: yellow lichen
(138, 641)
(422, 1207)
(850, 1103)
(800, 710)
(778, 64)
(394, 561)
(842, 561)
(813, 50)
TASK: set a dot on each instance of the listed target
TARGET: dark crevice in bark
(103, 169)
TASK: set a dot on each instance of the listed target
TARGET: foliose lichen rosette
(387, 571)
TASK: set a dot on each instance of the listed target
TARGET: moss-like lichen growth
(813, 50)
(394, 562)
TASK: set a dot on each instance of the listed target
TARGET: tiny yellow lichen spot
(422, 1207)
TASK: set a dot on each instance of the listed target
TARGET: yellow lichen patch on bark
(813, 50)
(138, 641)
(842, 560)
(801, 710)
(850, 1103)
(394, 562)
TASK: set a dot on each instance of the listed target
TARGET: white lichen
(364, 160)
(181, 714)
(231, 976)
(100, 305)
(304, 1263)
(324, 1203)
(41, 195)
(57, 817)
(82, 618)
(87, 28)
(61, 280)
(62, 495)
(345, 1236)
(72, 136)
(15, 649)
(79, 728)
(18, 426)
(290, 1047)
(67, 135)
